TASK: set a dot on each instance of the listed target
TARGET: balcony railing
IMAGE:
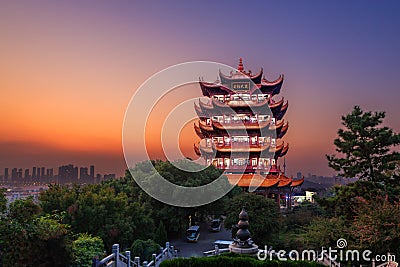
(245, 167)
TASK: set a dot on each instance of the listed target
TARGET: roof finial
(240, 66)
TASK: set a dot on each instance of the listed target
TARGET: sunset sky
(69, 68)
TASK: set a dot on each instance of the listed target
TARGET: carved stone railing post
(128, 256)
(145, 263)
(168, 250)
(137, 261)
(216, 250)
(115, 251)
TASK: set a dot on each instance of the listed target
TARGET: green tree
(144, 249)
(367, 147)
(376, 226)
(100, 211)
(175, 219)
(345, 198)
(324, 232)
(84, 248)
(3, 200)
(302, 215)
(59, 197)
(160, 236)
(24, 210)
(33, 240)
(263, 216)
(52, 241)
(366, 212)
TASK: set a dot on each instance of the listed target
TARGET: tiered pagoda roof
(266, 87)
(216, 107)
(268, 181)
(262, 84)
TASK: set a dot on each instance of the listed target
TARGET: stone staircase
(118, 259)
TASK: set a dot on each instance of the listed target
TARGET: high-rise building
(14, 174)
(83, 173)
(34, 175)
(49, 173)
(67, 173)
(5, 174)
(27, 176)
(74, 174)
(92, 171)
(241, 127)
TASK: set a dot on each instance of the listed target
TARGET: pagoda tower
(241, 129)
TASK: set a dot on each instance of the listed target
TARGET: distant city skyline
(89, 171)
(70, 68)
(66, 173)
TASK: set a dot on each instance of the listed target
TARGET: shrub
(85, 248)
(234, 261)
(144, 249)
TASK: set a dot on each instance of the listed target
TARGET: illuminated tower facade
(242, 126)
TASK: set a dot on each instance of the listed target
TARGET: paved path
(204, 243)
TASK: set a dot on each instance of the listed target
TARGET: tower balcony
(251, 124)
(238, 168)
(208, 146)
(242, 147)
